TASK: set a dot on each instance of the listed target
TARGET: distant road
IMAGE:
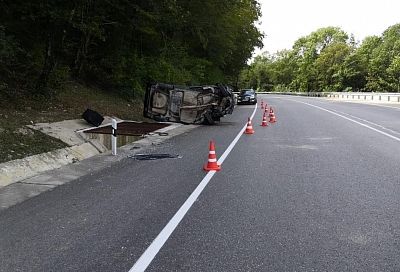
(317, 191)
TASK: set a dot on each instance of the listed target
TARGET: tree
(116, 43)
(307, 50)
(381, 57)
(394, 73)
(329, 65)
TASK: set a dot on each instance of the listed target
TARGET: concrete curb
(81, 147)
(37, 174)
(17, 170)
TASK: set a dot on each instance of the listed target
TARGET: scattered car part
(158, 133)
(93, 117)
(147, 157)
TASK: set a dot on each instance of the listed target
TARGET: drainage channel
(130, 128)
(127, 132)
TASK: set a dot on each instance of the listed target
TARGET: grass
(17, 141)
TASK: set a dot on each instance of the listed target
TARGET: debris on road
(149, 157)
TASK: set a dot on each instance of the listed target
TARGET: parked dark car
(188, 104)
(247, 96)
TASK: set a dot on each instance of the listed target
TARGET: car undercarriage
(188, 104)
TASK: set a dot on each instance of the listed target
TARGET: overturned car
(189, 105)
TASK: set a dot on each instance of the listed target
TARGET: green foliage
(123, 45)
(330, 60)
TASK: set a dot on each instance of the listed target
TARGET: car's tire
(208, 120)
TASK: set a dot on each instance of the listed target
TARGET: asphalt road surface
(317, 191)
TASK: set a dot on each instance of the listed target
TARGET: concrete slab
(66, 130)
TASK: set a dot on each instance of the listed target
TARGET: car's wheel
(208, 120)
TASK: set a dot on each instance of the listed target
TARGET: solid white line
(368, 103)
(369, 122)
(354, 121)
(232, 145)
(147, 257)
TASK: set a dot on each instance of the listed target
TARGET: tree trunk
(48, 66)
(81, 54)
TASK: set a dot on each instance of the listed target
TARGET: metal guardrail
(375, 97)
(363, 96)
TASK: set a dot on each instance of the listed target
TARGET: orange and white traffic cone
(272, 118)
(249, 128)
(270, 112)
(264, 122)
(212, 164)
(262, 104)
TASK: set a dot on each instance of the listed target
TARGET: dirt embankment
(18, 141)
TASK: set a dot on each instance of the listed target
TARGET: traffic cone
(271, 112)
(262, 104)
(272, 118)
(212, 164)
(249, 128)
(264, 122)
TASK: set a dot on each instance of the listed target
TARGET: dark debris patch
(150, 157)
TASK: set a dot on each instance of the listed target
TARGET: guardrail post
(114, 137)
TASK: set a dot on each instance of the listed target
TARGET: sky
(284, 21)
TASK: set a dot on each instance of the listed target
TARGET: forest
(329, 59)
(122, 45)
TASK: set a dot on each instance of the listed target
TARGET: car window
(247, 92)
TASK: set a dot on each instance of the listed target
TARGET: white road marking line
(369, 104)
(147, 257)
(385, 106)
(343, 101)
(369, 122)
(349, 119)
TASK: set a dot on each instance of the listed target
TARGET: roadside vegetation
(330, 60)
(18, 141)
(123, 45)
(58, 58)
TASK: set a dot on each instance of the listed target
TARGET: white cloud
(284, 21)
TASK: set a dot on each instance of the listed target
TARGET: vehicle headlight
(252, 96)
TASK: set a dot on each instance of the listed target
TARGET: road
(317, 191)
